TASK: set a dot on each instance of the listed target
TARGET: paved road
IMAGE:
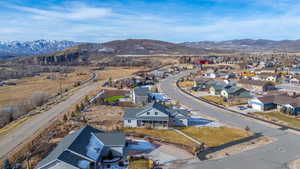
(22, 132)
(272, 156)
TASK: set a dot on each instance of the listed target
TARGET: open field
(10, 95)
(291, 121)
(167, 135)
(117, 72)
(212, 136)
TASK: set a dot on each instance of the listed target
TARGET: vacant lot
(212, 136)
(48, 83)
(105, 117)
(167, 135)
(281, 118)
(219, 100)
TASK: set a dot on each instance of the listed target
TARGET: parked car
(242, 108)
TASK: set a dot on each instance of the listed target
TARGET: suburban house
(266, 76)
(155, 115)
(283, 103)
(256, 85)
(203, 84)
(216, 88)
(87, 148)
(295, 80)
(233, 91)
(140, 95)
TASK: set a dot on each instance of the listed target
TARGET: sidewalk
(180, 132)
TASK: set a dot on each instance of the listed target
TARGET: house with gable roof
(155, 115)
(87, 148)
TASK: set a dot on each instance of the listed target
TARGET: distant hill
(28, 48)
(89, 51)
(248, 45)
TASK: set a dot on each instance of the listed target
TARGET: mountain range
(28, 48)
(144, 47)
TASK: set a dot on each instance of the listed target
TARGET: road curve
(24, 131)
(275, 155)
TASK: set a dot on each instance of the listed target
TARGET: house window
(129, 121)
(148, 113)
(156, 113)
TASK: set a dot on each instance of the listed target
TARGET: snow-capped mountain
(27, 48)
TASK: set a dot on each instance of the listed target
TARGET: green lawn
(215, 136)
(291, 121)
(113, 98)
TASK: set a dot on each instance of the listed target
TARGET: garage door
(257, 107)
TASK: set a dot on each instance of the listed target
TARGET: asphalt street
(275, 155)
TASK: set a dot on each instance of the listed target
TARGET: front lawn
(167, 135)
(212, 136)
(291, 121)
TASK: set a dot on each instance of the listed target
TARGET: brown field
(117, 72)
(105, 117)
(9, 95)
(215, 136)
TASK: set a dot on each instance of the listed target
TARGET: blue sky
(168, 20)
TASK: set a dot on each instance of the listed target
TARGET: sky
(167, 20)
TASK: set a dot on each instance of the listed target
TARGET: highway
(275, 155)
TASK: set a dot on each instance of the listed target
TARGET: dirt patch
(105, 117)
(241, 147)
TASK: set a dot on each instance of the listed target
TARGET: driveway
(275, 155)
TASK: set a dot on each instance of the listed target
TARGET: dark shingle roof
(60, 148)
(111, 138)
(78, 142)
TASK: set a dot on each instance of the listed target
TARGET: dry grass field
(212, 137)
(167, 135)
(117, 72)
(10, 95)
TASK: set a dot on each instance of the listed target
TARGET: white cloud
(82, 22)
(76, 12)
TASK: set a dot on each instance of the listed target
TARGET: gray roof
(131, 113)
(111, 138)
(77, 142)
(153, 118)
(60, 148)
(141, 91)
(134, 112)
